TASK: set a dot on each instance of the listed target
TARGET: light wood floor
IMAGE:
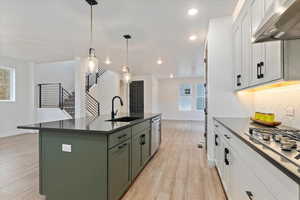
(179, 171)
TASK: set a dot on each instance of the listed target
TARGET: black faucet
(113, 113)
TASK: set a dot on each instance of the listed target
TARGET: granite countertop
(240, 126)
(98, 125)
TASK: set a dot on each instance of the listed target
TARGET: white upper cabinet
(246, 48)
(258, 67)
(255, 64)
(238, 76)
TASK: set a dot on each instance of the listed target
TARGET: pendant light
(125, 68)
(92, 61)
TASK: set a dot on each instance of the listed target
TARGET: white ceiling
(54, 30)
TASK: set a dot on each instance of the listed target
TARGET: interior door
(136, 97)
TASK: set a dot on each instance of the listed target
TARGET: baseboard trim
(211, 162)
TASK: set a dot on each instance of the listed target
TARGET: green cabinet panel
(136, 163)
(140, 151)
(119, 170)
(78, 174)
(146, 147)
(119, 137)
(136, 129)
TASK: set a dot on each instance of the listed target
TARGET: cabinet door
(274, 54)
(145, 147)
(258, 69)
(119, 170)
(244, 184)
(238, 84)
(274, 60)
(246, 48)
(136, 163)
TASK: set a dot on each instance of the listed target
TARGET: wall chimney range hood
(281, 22)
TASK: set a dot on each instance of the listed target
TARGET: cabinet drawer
(119, 137)
(140, 127)
(281, 186)
(222, 131)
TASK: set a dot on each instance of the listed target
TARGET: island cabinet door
(136, 164)
(145, 147)
(119, 170)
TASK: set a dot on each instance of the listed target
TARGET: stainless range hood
(282, 22)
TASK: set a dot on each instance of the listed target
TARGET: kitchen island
(92, 159)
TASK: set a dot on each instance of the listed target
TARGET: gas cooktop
(283, 141)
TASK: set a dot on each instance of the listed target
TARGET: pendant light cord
(127, 53)
(91, 34)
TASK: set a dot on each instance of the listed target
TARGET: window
(200, 97)
(7, 84)
(185, 97)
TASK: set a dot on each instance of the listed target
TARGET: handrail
(53, 95)
(92, 105)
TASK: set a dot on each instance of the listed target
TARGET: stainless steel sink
(124, 119)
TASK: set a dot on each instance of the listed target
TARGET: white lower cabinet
(239, 171)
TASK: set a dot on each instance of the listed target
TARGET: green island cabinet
(98, 167)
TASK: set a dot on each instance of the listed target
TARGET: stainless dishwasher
(155, 135)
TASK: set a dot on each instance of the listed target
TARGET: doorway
(136, 97)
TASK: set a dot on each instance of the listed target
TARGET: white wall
(279, 101)
(169, 96)
(21, 111)
(51, 114)
(222, 101)
(105, 90)
(57, 72)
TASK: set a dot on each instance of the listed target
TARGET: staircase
(92, 104)
(53, 95)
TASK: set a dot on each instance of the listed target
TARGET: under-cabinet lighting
(280, 84)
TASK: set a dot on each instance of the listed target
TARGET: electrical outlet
(66, 148)
(290, 111)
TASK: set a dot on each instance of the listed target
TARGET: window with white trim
(7, 84)
(200, 97)
(185, 97)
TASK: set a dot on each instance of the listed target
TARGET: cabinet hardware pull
(216, 142)
(227, 136)
(142, 140)
(122, 146)
(122, 136)
(226, 152)
(258, 70)
(239, 80)
(250, 195)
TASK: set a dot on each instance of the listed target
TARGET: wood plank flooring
(179, 171)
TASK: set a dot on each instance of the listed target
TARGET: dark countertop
(99, 125)
(240, 126)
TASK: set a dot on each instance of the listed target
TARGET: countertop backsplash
(284, 102)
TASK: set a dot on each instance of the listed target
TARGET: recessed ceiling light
(107, 61)
(193, 12)
(159, 61)
(171, 75)
(193, 37)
